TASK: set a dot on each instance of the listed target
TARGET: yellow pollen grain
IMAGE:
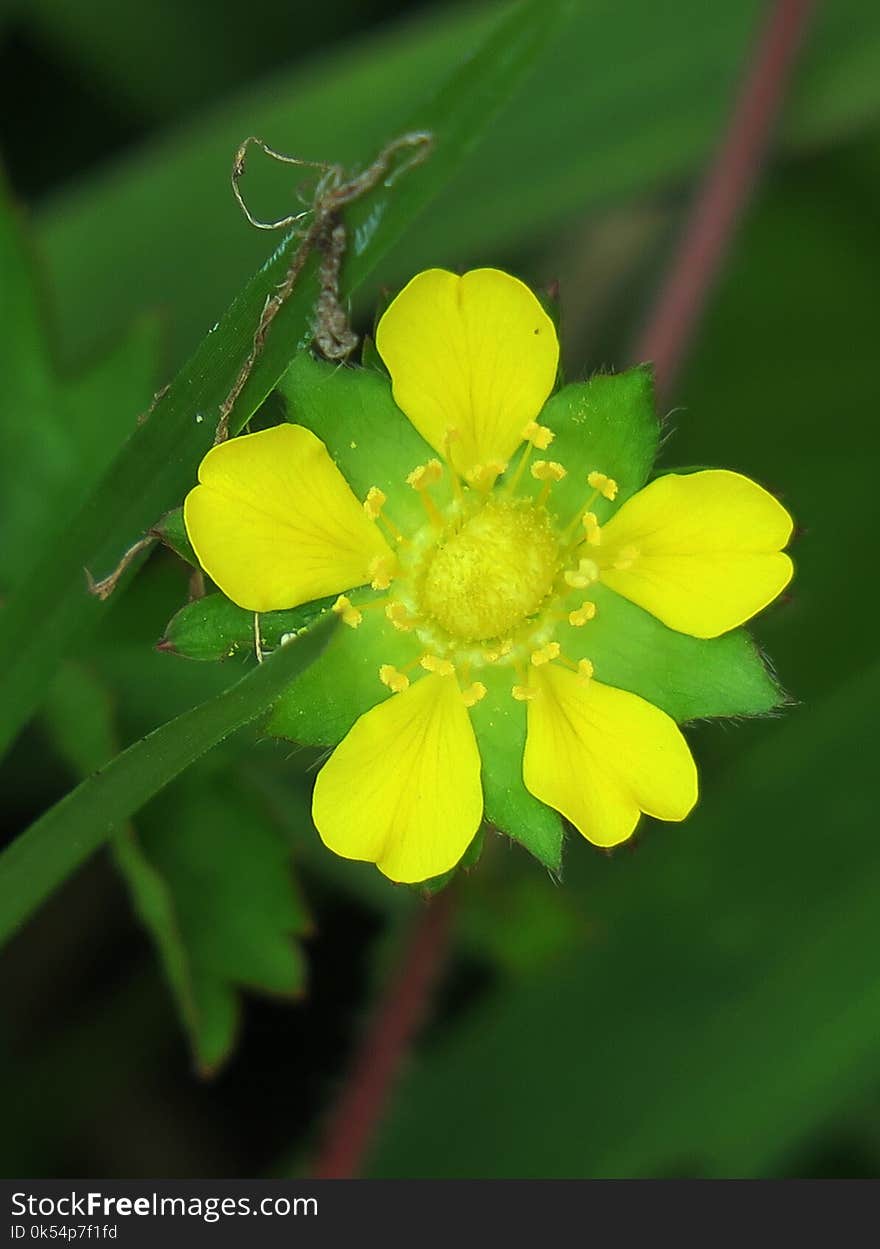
(538, 435)
(547, 470)
(396, 680)
(606, 486)
(382, 570)
(425, 475)
(399, 617)
(585, 669)
(545, 654)
(582, 614)
(442, 667)
(524, 693)
(349, 614)
(374, 502)
(473, 694)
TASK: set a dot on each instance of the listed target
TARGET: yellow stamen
(548, 470)
(473, 694)
(483, 476)
(442, 667)
(382, 571)
(587, 572)
(582, 614)
(451, 436)
(396, 680)
(425, 475)
(585, 669)
(538, 435)
(606, 486)
(592, 529)
(493, 653)
(400, 617)
(524, 693)
(545, 654)
(350, 615)
(374, 502)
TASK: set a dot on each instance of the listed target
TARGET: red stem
(706, 237)
(724, 194)
(376, 1066)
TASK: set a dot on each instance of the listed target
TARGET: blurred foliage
(704, 1002)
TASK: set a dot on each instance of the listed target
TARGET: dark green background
(707, 1000)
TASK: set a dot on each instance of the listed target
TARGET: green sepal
(608, 424)
(353, 413)
(213, 627)
(322, 704)
(171, 532)
(689, 678)
(500, 727)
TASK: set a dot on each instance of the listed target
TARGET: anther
(524, 693)
(425, 475)
(587, 572)
(592, 529)
(606, 486)
(442, 667)
(473, 694)
(538, 435)
(482, 476)
(374, 502)
(382, 570)
(584, 669)
(399, 617)
(350, 615)
(547, 470)
(396, 680)
(493, 653)
(582, 614)
(545, 654)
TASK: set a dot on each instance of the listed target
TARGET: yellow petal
(602, 756)
(402, 790)
(702, 552)
(475, 354)
(275, 524)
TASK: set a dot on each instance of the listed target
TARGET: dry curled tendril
(326, 234)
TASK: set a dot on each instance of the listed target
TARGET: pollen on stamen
(606, 486)
(348, 613)
(581, 615)
(523, 693)
(584, 669)
(493, 653)
(592, 528)
(374, 502)
(396, 680)
(425, 475)
(482, 476)
(399, 617)
(442, 667)
(538, 435)
(382, 570)
(547, 470)
(545, 654)
(473, 694)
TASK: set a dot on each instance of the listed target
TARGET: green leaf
(51, 612)
(209, 878)
(57, 843)
(352, 411)
(554, 159)
(500, 727)
(607, 424)
(213, 627)
(171, 532)
(690, 678)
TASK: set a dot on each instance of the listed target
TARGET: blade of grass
(157, 464)
(57, 843)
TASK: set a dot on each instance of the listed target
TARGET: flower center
(495, 571)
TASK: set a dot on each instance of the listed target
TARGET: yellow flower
(469, 588)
